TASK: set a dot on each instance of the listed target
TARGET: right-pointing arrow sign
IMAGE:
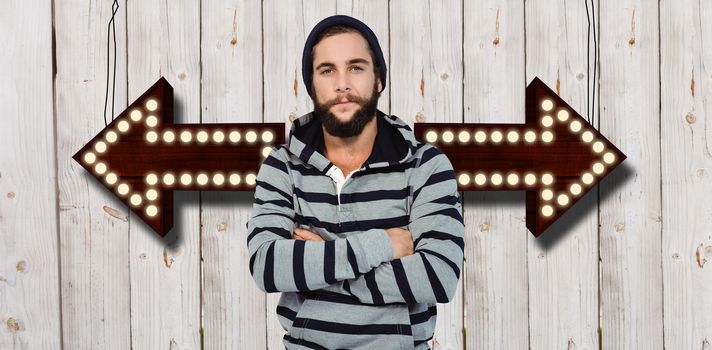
(556, 156)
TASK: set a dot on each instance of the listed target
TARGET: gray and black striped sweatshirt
(347, 291)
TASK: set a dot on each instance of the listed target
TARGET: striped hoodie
(347, 291)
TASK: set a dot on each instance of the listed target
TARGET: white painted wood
(563, 263)
(93, 223)
(231, 47)
(164, 40)
(426, 86)
(496, 298)
(631, 273)
(686, 144)
(29, 274)
(77, 271)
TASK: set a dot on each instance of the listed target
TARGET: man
(355, 222)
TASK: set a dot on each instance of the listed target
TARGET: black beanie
(347, 21)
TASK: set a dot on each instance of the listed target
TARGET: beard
(358, 121)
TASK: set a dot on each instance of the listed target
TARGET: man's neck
(348, 153)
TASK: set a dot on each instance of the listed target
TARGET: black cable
(111, 30)
(591, 117)
(588, 65)
(595, 65)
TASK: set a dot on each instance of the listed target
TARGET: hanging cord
(111, 31)
(591, 117)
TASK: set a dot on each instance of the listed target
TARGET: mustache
(330, 103)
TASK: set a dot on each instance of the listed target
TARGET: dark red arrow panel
(555, 156)
(143, 157)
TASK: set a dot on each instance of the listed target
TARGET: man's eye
(356, 67)
(326, 71)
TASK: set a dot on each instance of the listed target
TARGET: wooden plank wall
(627, 268)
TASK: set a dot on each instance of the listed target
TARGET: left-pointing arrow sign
(142, 156)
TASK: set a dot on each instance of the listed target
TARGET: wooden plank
(29, 274)
(563, 264)
(426, 86)
(686, 92)
(496, 298)
(631, 275)
(93, 223)
(234, 315)
(164, 40)
(286, 26)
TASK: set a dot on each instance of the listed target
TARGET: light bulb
(530, 179)
(496, 136)
(202, 136)
(267, 136)
(512, 136)
(234, 136)
(151, 195)
(562, 199)
(496, 179)
(480, 179)
(111, 178)
(480, 136)
(151, 179)
(169, 179)
(234, 179)
(251, 136)
(100, 147)
(202, 179)
(123, 189)
(448, 136)
(169, 136)
(186, 136)
(218, 179)
(547, 179)
(136, 199)
(431, 136)
(151, 121)
(135, 115)
(563, 115)
(464, 179)
(609, 158)
(575, 126)
(547, 121)
(151, 210)
(547, 194)
(250, 179)
(111, 137)
(89, 158)
(530, 136)
(463, 136)
(547, 105)
(186, 179)
(151, 105)
(513, 179)
(575, 189)
(100, 168)
(123, 126)
(547, 210)
(218, 136)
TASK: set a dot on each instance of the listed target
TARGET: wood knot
(419, 117)
(11, 195)
(21, 266)
(631, 41)
(485, 227)
(233, 41)
(496, 40)
(620, 227)
(690, 118)
(222, 227)
(13, 325)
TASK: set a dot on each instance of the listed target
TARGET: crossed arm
(361, 264)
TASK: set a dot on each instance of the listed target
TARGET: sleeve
(432, 272)
(279, 263)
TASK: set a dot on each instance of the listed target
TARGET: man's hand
(401, 242)
(301, 234)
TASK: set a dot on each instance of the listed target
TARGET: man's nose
(343, 83)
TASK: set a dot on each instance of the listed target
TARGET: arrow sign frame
(142, 156)
(556, 156)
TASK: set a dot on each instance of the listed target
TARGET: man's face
(345, 87)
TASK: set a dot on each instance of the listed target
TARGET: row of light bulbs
(481, 136)
(203, 136)
(201, 178)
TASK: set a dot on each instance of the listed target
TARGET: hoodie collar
(394, 143)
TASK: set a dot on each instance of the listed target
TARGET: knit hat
(347, 21)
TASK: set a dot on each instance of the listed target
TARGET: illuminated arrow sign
(143, 157)
(555, 156)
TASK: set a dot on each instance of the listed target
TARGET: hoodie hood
(395, 142)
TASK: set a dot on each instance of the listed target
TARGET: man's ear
(379, 83)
